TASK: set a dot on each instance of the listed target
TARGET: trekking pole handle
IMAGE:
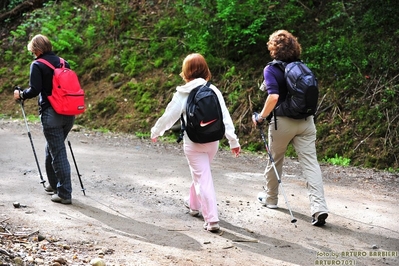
(17, 88)
(255, 118)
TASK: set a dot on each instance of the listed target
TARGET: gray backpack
(303, 91)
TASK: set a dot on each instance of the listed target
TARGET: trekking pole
(293, 219)
(76, 166)
(31, 142)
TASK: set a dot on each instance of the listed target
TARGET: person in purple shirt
(301, 133)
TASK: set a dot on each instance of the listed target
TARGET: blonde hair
(284, 46)
(40, 44)
(195, 66)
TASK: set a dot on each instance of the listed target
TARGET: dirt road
(133, 213)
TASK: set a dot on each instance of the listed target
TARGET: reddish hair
(195, 66)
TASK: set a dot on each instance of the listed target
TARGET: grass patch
(338, 160)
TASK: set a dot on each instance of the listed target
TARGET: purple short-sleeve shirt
(275, 82)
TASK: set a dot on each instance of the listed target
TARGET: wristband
(21, 94)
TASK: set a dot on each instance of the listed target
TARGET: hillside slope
(128, 56)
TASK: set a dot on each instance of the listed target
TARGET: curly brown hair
(284, 46)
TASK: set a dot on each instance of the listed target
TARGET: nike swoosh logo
(204, 124)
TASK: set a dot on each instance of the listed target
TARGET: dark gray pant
(56, 128)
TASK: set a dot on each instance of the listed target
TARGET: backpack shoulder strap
(280, 64)
(182, 128)
(47, 63)
(207, 84)
(62, 62)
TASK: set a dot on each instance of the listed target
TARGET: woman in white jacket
(195, 72)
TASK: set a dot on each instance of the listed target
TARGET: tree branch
(21, 8)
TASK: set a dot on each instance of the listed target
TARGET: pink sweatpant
(202, 191)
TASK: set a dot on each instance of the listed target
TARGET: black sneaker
(319, 218)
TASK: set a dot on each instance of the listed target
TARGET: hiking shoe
(262, 199)
(58, 199)
(191, 212)
(50, 190)
(211, 227)
(319, 218)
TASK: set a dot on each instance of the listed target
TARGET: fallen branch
(246, 240)
(18, 234)
(378, 87)
(2, 251)
(22, 234)
(302, 4)
(20, 241)
(362, 141)
(8, 231)
(144, 39)
(21, 8)
(5, 220)
(321, 102)
(388, 130)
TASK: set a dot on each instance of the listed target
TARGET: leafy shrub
(338, 160)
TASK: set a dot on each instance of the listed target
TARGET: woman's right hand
(17, 95)
(236, 151)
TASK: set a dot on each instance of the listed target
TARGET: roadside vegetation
(128, 55)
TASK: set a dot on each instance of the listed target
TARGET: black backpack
(303, 91)
(204, 116)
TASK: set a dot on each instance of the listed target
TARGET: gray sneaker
(49, 190)
(262, 200)
(58, 199)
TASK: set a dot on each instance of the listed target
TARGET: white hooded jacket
(177, 106)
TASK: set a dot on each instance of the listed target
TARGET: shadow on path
(128, 227)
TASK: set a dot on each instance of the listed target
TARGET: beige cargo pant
(302, 134)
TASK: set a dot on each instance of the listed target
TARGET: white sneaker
(262, 199)
(212, 227)
(191, 212)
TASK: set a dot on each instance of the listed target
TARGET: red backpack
(67, 97)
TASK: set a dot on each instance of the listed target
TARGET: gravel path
(133, 213)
